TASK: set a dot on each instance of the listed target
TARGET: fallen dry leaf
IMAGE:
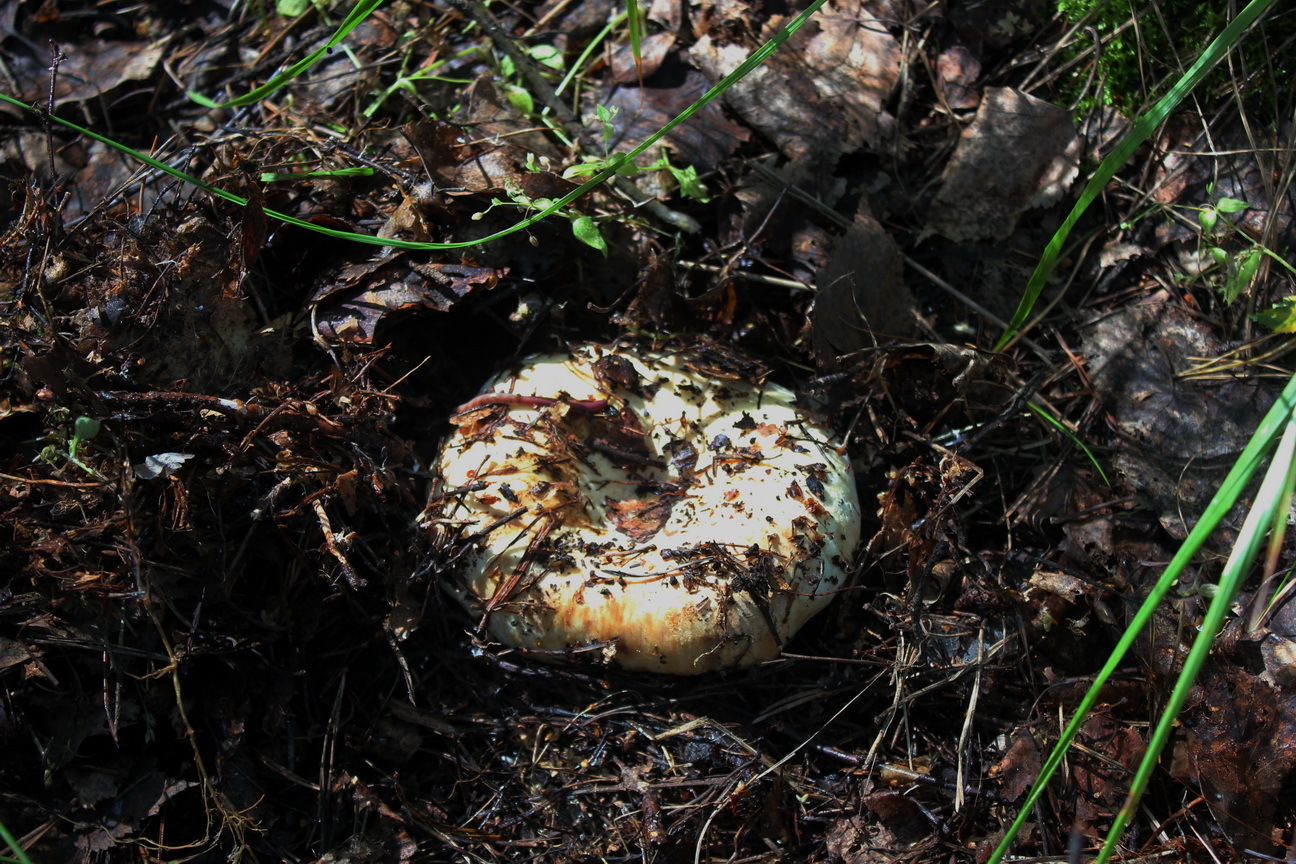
(702, 141)
(653, 49)
(1179, 435)
(862, 298)
(95, 67)
(1019, 767)
(1018, 154)
(822, 95)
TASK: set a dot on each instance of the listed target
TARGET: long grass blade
(1264, 513)
(19, 854)
(636, 34)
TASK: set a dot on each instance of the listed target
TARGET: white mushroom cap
(623, 500)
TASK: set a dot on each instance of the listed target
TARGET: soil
(223, 634)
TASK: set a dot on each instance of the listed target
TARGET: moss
(1134, 64)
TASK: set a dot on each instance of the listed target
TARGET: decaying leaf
(1019, 767)
(823, 95)
(1180, 435)
(1018, 154)
(701, 141)
(862, 298)
(91, 69)
(489, 148)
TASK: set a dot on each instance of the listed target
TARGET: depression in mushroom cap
(624, 502)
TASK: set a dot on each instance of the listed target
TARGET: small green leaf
(1280, 317)
(86, 428)
(1207, 219)
(690, 185)
(1248, 263)
(282, 176)
(1231, 205)
(519, 99)
(292, 8)
(547, 55)
(1218, 256)
(587, 231)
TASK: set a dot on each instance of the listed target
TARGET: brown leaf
(862, 298)
(777, 100)
(96, 67)
(653, 49)
(1019, 153)
(702, 141)
(1243, 749)
(1019, 767)
(823, 95)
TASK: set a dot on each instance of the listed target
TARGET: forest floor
(222, 633)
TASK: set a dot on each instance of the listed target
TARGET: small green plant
(686, 178)
(1233, 272)
(583, 227)
(514, 83)
(407, 79)
(84, 429)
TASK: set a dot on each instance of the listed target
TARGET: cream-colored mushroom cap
(626, 502)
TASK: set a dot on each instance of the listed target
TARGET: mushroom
(623, 502)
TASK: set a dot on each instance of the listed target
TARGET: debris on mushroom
(623, 502)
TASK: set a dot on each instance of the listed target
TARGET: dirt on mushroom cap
(620, 500)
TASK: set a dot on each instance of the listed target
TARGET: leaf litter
(222, 634)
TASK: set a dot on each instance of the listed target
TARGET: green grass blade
(759, 56)
(636, 34)
(19, 855)
(1230, 490)
(1266, 511)
(1138, 133)
(360, 12)
(1044, 415)
(293, 176)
